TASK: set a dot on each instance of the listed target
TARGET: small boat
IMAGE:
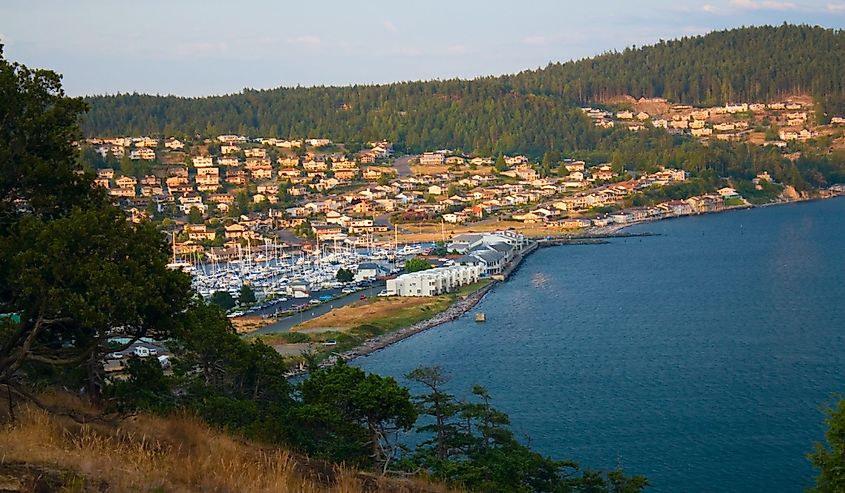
(480, 317)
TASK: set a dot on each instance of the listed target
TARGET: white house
(432, 159)
(203, 161)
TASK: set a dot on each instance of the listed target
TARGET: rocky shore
(453, 312)
(595, 235)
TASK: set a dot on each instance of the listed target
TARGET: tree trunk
(374, 438)
(94, 383)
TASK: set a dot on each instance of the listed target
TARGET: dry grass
(248, 324)
(176, 454)
(419, 169)
(369, 311)
(425, 232)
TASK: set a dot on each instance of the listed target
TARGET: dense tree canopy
(470, 443)
(529, 112)
(830, 458)
(74, 270)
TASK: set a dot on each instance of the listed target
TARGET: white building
(432, 159)
(370, 270)
(174, 144)
(203, 161)
(433, 282)
(466, 242)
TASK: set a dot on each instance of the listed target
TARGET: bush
(295, 337)
(223, 299)
(416, 264)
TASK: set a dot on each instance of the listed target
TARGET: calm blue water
(700, 358)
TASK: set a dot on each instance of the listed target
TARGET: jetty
(593, 239)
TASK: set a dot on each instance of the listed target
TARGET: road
(402, 166)
(284, 324)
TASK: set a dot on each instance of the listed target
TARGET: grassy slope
(42, 452)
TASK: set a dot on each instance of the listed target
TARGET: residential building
(432, 159)
(259, 152)
(199, 232)
(433, 282)
(203, 161)
(174, 144)
(227, 149)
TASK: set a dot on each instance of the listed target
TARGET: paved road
(284, 325)
(402, 166)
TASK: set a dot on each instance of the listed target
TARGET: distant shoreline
(462, 306)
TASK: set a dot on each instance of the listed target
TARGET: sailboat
(175, 264)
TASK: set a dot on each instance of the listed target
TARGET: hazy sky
(201, 47)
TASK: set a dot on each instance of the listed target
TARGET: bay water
(701, 358)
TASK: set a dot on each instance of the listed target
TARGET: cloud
(309, 40)
(763, 5)
(456, 50)
(836, 8)
(390, 26)
(710, 9)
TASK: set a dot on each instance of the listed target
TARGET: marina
(301, 276)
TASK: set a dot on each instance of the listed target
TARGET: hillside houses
(734, 122)
(249, 189)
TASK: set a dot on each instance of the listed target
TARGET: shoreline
(453, 312)
(462, 306)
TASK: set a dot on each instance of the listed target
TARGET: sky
(207, 47)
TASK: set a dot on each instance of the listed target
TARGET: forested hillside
(529, 112)
(748, 64)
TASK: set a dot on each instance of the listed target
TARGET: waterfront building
(489, 262)
(466, 242)
(433, 282)
(368, 271)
